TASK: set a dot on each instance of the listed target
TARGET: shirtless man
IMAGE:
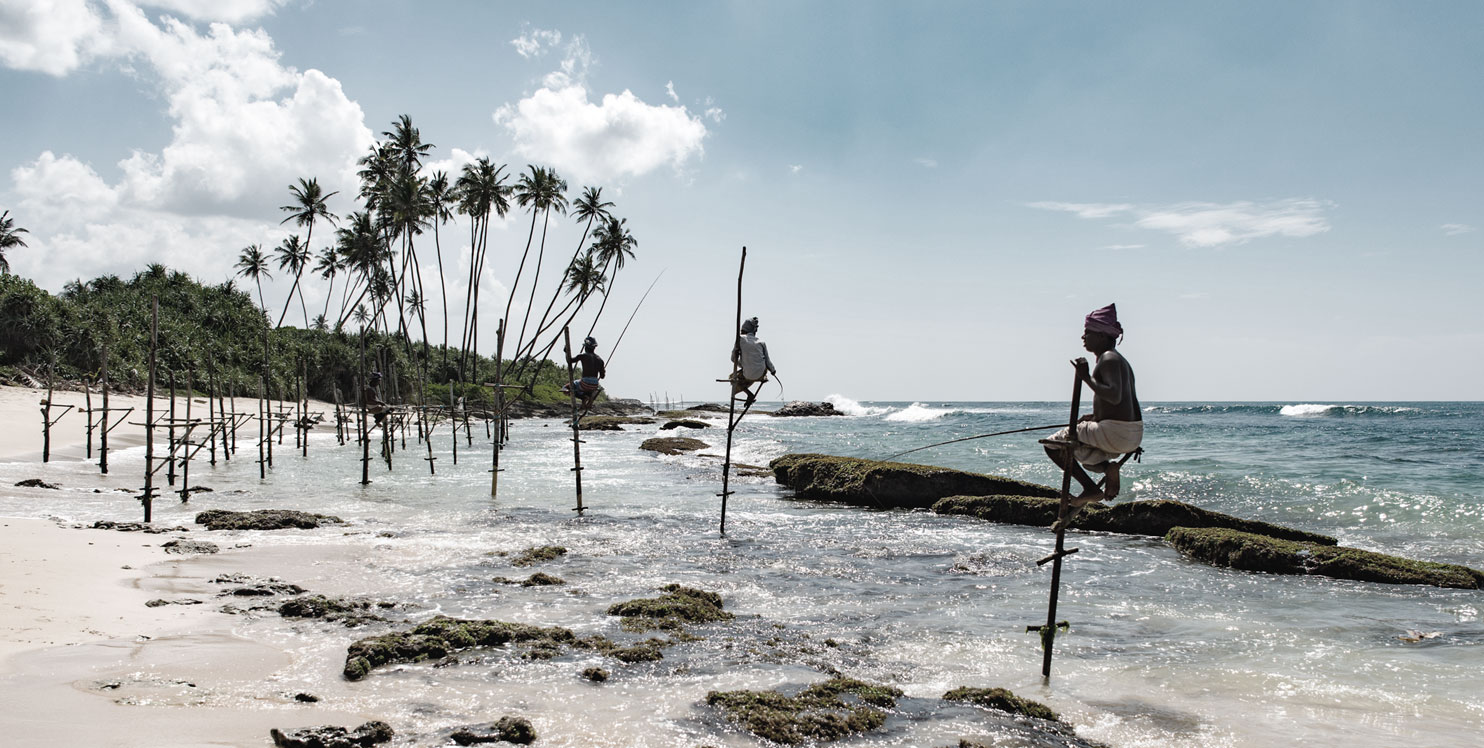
(593, 369)
(1115, 426)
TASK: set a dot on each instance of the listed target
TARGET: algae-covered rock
(506, 729)
(37, 483)
(264, 519)
(442, 635)
(685, 423)
(820, 713)
(1153, 517)
(673, 445)
(595, 674)
(1250, 552)
(648, 650)
(611, 423)
(348, 612)
(672, 610)
(108, 524)
(896, 485)
(799, 408)
(540, 579)
(190, 546)
(539, 554)
(1003, 700)
(329, 736)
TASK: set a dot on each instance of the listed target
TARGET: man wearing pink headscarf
(1115, 426)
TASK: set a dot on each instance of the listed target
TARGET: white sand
(83, 660)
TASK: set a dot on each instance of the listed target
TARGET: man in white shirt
(751, 356)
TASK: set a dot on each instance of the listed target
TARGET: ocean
(1161, 651)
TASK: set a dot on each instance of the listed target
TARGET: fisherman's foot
(1065, 522)
(1111, 484)
(1088, 497)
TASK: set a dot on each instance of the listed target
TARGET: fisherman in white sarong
(751, 356)
(1115, 426)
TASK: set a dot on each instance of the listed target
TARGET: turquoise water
(1162, 651)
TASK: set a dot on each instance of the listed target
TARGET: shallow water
(1162, 651)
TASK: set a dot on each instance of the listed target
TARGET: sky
(1285, 200)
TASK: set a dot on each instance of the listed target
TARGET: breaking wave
(1299, 410)
(852, 408)
(917, 413)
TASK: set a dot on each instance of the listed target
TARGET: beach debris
(540, 579)
(1150, 517)
(823, 712)
(264, 519)
(506, 729)
(1413, 636)
(539, 554)
(37, 483)
(184, 547)
(896, 485)
(108, 524)
(671, 611)
(159, 602)
(1251, 552)
(329, 736)
(673, 445)
(802, 408)
(595, 674)
(685, 423)
(348, 612)
(1003, 700)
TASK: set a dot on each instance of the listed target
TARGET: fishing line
(978, 436)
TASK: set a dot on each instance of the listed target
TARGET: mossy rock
(37, 483)
(329, 736)
(595, 674)
(819, 713)
(348, 612)
(1003, 700)
(1249, 552)
(539, 554)
(442, 636)
(672, 610)
(516, 730)
(1153, 517)
(685, 423)
(889, 485)
(264, 519)
(689, 414)
(540, 579)
(673, 445)
(611, 423)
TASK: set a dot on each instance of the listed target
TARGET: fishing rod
(978, 436)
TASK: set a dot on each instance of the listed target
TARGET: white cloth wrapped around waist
(1102, 441)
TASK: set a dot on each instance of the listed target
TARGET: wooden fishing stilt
(576, 433)
(103, 435)
(47, 422)
(498, 441)
(148, 497)
(87, 398)
(732, 417)
(1069, 450)
(170, 435)
(211, 419)
(185, 441)
(362, 426)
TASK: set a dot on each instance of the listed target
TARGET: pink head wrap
(1105, 321)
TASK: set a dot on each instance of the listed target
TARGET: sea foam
(852, 408)
(917, 413)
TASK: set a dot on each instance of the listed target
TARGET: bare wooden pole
(361, 417)
(453, 420)
(499, 441)
(1069, 447)
(304, 398)
(576, 433)
(87, 394)
(149, 413)
(185, 440)
(103, 435)
(46, 419)
(726, 468)
(211, 419)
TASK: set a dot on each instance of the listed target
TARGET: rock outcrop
(1152, 517)
(36, 483)
(888, 485)
(184, 547)
(673, 445)
(1250, 552)
(685, 423)
(802, 408)
(329, 736)
(674, 609)
(516, 730)
(817, 714)
(264, 519)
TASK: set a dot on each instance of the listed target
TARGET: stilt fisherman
(1115, 426)
(593, 369)
(751, 357)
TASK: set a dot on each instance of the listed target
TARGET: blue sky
(1283, 199)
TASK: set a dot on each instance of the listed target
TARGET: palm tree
(328, 266)
(252, 263)
(615, 244)
(406, 144)
(541, 191)
(308, 206)
(10, 238)
(587, 209)
(293, 255)
(440, 199)
(481, 189)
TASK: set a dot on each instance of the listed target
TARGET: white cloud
(49, 36)
(1454, 229)
(620, 135)
(1213, 224)
(926, 163)
(670, 89)
(229, 11)
(536, 42)
(795, 168)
